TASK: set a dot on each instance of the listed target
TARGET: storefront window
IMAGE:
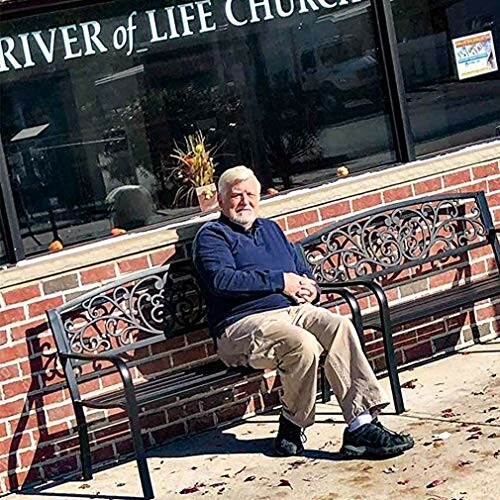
(94, 102)
(3, 256)
(450, 70)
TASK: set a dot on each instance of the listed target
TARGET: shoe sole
(366, 451)
(281, 454)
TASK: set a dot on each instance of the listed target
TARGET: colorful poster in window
(475, 55)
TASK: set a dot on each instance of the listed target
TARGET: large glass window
(450, 70)
(3, 256)
(95, 100)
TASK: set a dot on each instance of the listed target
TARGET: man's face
(241, 202)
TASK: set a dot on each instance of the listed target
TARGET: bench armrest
(373, 287)
(352, 302)
(119, 364)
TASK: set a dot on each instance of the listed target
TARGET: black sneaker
(374, 440)
(288, 442)
(404, 436)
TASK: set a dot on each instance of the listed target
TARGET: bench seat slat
(438, 303)
(168, 387)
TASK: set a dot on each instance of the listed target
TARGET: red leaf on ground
(216, 485)
(448, 413)
(409, 384)
(435, 483)
(285, 482)
(192, 489)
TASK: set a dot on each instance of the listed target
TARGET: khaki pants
(292, 340)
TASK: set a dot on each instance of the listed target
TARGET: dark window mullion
(8, 214)
(400, 120)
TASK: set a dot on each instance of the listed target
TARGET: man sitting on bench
(260, 299)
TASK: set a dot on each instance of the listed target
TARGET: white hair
(234, 175)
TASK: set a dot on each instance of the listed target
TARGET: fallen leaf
(225, 475)
(84, 486)
(474, 429)
(473, 450)
(493, 375)
(192, 489)
(492, 408)
(328, 443)
(476, 435)
(404, 482)
(240, 471)
(435, 483)
(216, 485)
(493, 435)
(448, 413)
(463, 463)
(409, 384)
(120, 484)
(249, 478)
(285, 482)
(477, 393)
(496, 454)
(489, 420)
(390, 470)
(221, 491)
(297, 463)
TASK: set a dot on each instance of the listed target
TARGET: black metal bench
(374, 251)
(104, 329)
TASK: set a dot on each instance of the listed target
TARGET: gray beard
(242, 224)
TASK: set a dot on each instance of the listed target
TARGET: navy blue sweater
(241, 271)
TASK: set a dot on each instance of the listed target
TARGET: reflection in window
(3, 255)
(89, 140)
(463, 111)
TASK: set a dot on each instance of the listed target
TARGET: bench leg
(326, 392)
(83, 436)
(140, 452)
(390, 360)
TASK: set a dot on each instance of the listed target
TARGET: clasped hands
(301, 289)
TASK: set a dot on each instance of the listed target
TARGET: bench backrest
(385, 241)
(128, 315)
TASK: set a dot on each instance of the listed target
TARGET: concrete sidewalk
(456, 398)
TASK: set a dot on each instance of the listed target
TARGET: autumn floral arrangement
(195, 171)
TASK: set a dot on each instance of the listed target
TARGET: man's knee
(307, 348)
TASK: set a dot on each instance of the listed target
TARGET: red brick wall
(38, 440)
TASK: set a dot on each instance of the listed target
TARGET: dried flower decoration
(196, 168)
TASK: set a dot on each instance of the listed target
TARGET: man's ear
(220, 200)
